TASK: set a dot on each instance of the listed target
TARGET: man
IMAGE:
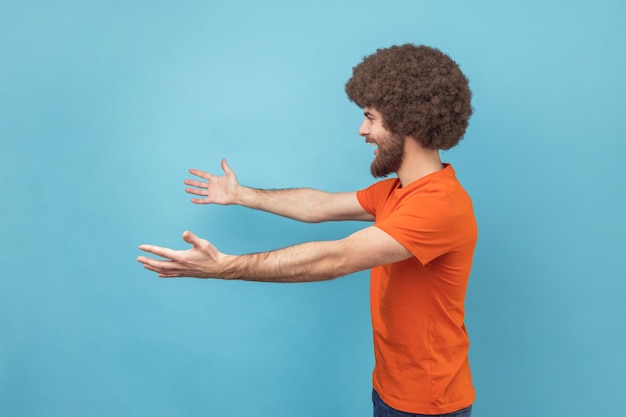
(416, 101)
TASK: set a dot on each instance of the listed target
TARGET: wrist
(245, 196)
(228, 267)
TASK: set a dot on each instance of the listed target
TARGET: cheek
(378, 134)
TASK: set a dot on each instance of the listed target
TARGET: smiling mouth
(371, 142)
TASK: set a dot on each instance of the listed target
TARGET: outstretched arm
(307, 262)
(304, 204)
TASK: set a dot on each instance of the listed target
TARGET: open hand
(201, 261)
(216, 190)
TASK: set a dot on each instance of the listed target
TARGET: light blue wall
(104, 105)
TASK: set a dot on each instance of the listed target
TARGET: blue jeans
(383, 410)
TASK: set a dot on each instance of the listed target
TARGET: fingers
(198, 184)
(165, 269)
(226, 168)
(196, 191)
(193, 239)
(154, 264)
(200, 190)
(159, 251)
(168, 268)
(201, 174)
(181, 263)
(201, 201)
(170, 253)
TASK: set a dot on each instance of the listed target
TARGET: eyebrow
(368, 114)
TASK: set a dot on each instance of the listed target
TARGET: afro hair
(419, 91)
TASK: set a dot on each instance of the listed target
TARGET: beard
(390, 155)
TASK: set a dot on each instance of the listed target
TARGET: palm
(216, 189)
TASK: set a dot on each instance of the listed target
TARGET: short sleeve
(424, 224)
(374, 196)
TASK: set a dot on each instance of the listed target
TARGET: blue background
(104, 105)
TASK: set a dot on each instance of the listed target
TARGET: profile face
(389, 150)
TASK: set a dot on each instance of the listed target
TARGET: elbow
(345, 262)
(312, 220)
(313, 216)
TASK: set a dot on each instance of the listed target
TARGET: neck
(418, 162)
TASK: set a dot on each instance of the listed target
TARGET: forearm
(303, 204)
(308, 262)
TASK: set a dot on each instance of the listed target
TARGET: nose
(364, 128)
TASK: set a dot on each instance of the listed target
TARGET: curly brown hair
(420, 92)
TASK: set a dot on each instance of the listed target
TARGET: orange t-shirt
(420, 341)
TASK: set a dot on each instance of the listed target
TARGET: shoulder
(442, 185)
(376, 194)
(383, 187)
